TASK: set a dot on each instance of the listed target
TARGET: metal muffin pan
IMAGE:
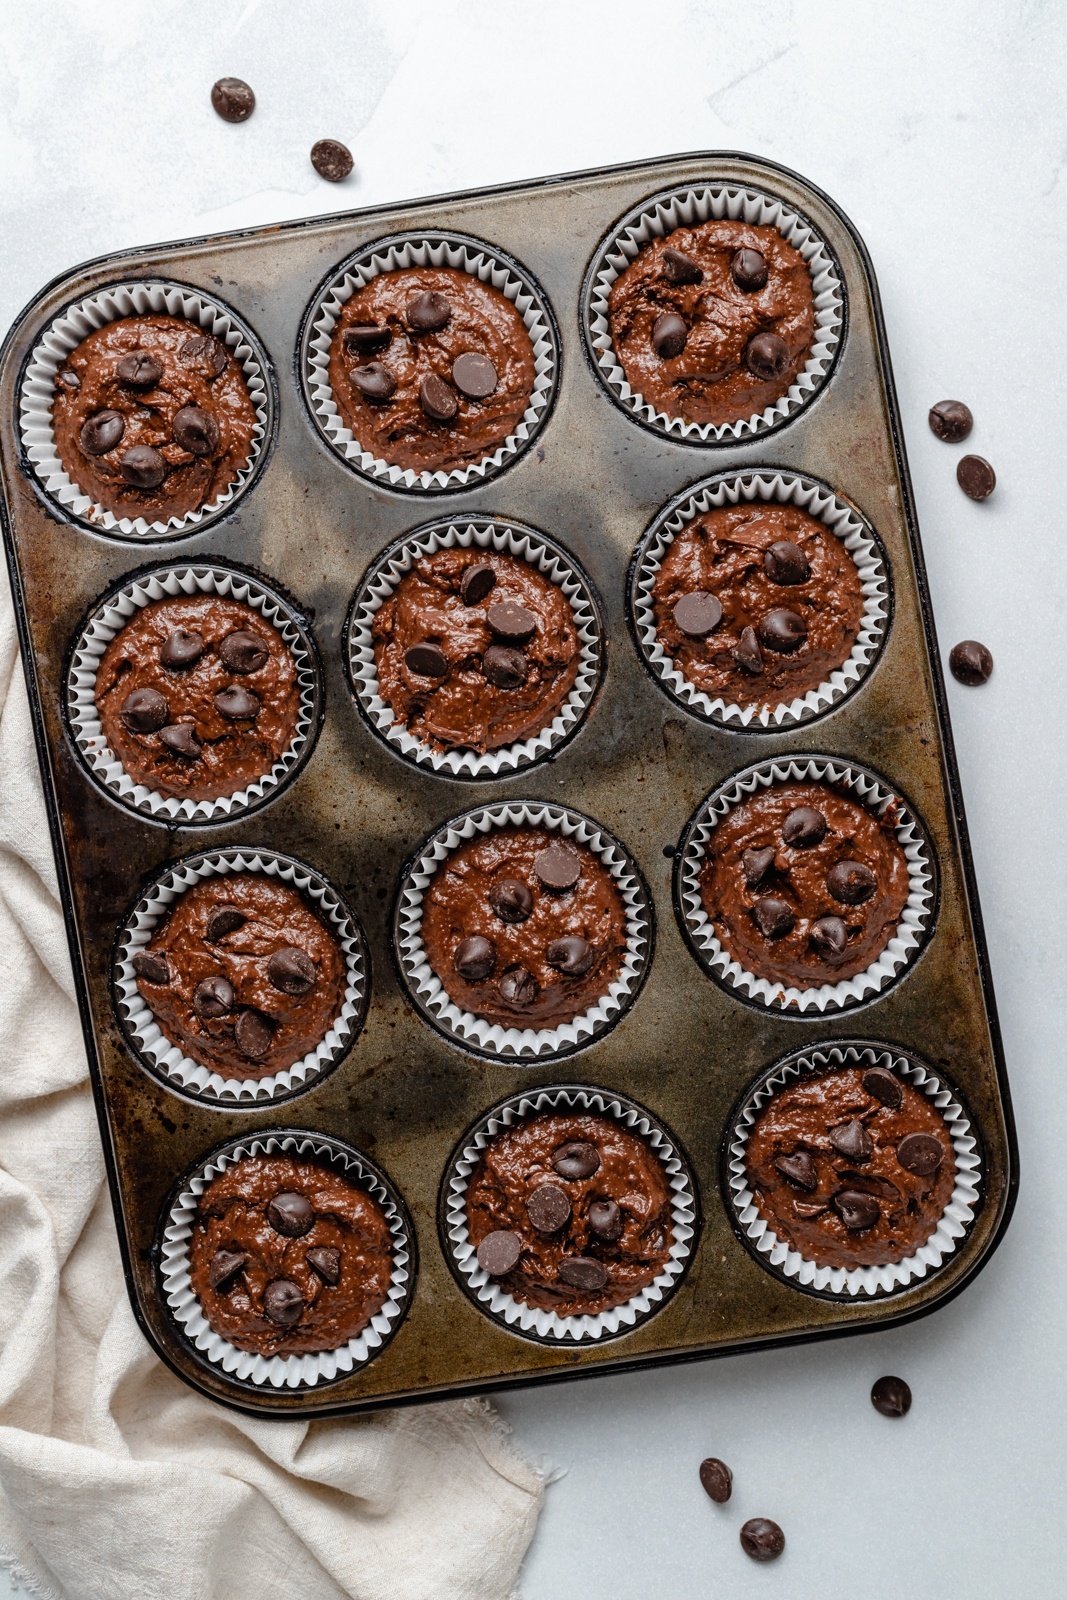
(594, 479)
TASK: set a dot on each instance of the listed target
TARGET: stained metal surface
(639, 765)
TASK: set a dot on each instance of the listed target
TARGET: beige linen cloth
(118, 1482)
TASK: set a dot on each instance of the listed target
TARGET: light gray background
(940, 129)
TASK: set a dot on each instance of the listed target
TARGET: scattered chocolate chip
(233, 99)
(325, 1263)
(474, 375)
(951, 420)
(920, 1153)
(237, 704)
(858, 1211)
(558, 867)
(582, 1272)
(971, 663)
(145, 711)
(576, 1159)
(499, 1252)
(756, 864)
(181, 649)
(605, 1220)
(975, 477)
(747, 653)
(766, 356)
(680, 268)
(716, 1480)
(851, 882)
(374, 382)
(139, 370)
(697, 614)
(774, 916)
(748, 269)
(68, 379)
(364, 337)
(762, 1539)
(428, 312)
(213, 997)
(518, 988)
(511, 900)
(182, 739)
(891, 1396)
(852, 1141)
(504, 666)
(828, 936)
(283, 1303)
(291, 1214)
(331, 159)
(477, 581)
(205, 353)
(799, 1168)
(782, 631)
(195, 430)
(803, 828)
(572, 955)
(254, 1034)
(426, 661)
(151, 967)
(143, 467)
(785, 563)
(223, 920)
(511, 621)
(669, 334)
(437, 400)
(292, 971)
(101, 432)
(548, 1208)
(225, 1265)
(883, 1086)
(243, 651)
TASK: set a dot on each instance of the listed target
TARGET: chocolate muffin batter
(852, 1167)
(757, 604)
(579, 1205)
(431, 369)
(152, 417)
(475, 650)
(713, 323)
(288, 1257)
(524, 927)
(804, 886)
(198, 696)
(242, 975)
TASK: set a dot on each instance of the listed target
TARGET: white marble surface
(941, 130)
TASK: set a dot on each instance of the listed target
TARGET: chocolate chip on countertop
(254, 1034)
(143, 467)
(505, 666)
(605, 1219)
(518, 988)
(680, 268)
(428, 312)
(774, 916)
(474, 958)
(426, 661)
(799, 1168)
(697, 614)
(474, 375)
(283, 1303)
(363, 337)
(975, 477)
(205, 354)
(785, 563)
(782, 630)
(851, 882)
(225, 1265)
(138, 370)
(195, 430)
(499, 1252)
(828, 936)
(145, 711)
(576, 1159)
(325, 1263)
(233, 99)
(151, 967)
(766, 356)
(852, 1141)
(291, 1214)
(858, 1211)
(748, 269)
(920, 1153)
(374, 382)
(331, 159)
(511, 900)
(756, 864)
(558, 867)
(582, 1272)
(747, 653)
(762, 1539)
(548, 1208)
(237, 704)
(181, 739)
(213, 997)
(971, 663)
(477, 581)
(511, 622)
(669, 335)
(181, 649)
(804, 827)
(572, 955)
(891, 1396)
(101, 432)
(292, 971)
(883, 1086)
(243, 651)
(437, 400)
(716, 1480)
(223, 919)
(951, 420)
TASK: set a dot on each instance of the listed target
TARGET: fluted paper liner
(293, 1371)
(166, 1058)
(427, 990)
(865, 788)
(111, 616)
(66, 332)
(687, 207)
(507, 538)
(866, 1280)
(462, 254)
(549, 1325)
(768, 487)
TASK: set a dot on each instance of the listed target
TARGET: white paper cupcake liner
(462, 254)
(111, 615)
(781, 488)
(294, 1371)
(489, 1038)
(687, 207)
(67, 330)
(549, 1326)
(788, 1263)
(507, 538)
(866, 788)
(166, 1059)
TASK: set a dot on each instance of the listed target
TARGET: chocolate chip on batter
(716, 1480)
(331, 159)
(576, 1159)
(181, 649)
(254, 1034)
(223, 919)
(971, 663)
(680, 268)
(572, 955)
(785, 563)
(292, 971)
(151, 967)
(975, 477)
(774, 916)
(883, 1086)
(283, 1303)
(782, 630)
(291, 1214)
(145, 711)
(474, 958)
(858, 1211)
(205, 354)
(804, 827)
(511, 900)
(426, 660)
(225, 1265)
(143, 467)
(762, 1539)
(373, 381)
(748, 269)
(518, 988)
(891, 1396)
(325, 1263)
(852, 1141)
(512, 622)
(237, 704)
(605, 1219)
(428, 312)
(101, 432)
(747, 653)
(951, 420)
(213, 997)
(582, 1272)
(504, 666)
(182, 739)
(138, 370)
(697, 614)
(558, 867)
(920, 1153)
(477, 581)
(499, 1252)
(548, 1208)
(195, 430)
(68, 379)
(363, 337)
(828, 936)
(243, 651)
(669, 335)
(851, 882)
(766, 356)
(799, 1169)
(437, 400)
(474, 375)
(756, 864)
(232, 99)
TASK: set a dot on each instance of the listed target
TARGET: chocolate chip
(225, 1265)
(477, 581)
(331, 159)
(145, 711)
(858, 1211)
(504, 666)
(883, 1086)
(951, 420)
(518, 988)
(747, 653)
(363, 337)
(195, 430)
(182, 739)
(762, 1539)
(474, 958)
(213, 997)
(920, 1153)
(101, 432)
(782, 631)
(151, 967)
(828, 936)
(756, 864)
(243, 651)
(68, 379)
(428, 312)
(139, 370)
(799, 1169)
(748, 269)
(975, 477)
(237, 704)
(697, 614)
(511, 900)
(851, 882)
(891, 1396)
(572, 955)
(499, 1252)
(680, 268)
(254, 1034)
(766, 356)
(774, 916)
(181, 649)
(582, 1272)
(804, 827)
(290, 1213)
(223, 920)
(605, 1220)
(437, 400)
(971, 663)
(426, 661)
(716, 1480)
(474, 375)
(374, 382)
(205, 354)
(548, 1208)
(669, 334)
(852, 1141)
(576, 1159)
(558, 867)
(292, 971)
(143, 467)
(511, 621)
(233, 99)
(785, 563)
(326, 1263)
(283, 1303)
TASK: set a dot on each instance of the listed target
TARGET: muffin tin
(594, 478)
